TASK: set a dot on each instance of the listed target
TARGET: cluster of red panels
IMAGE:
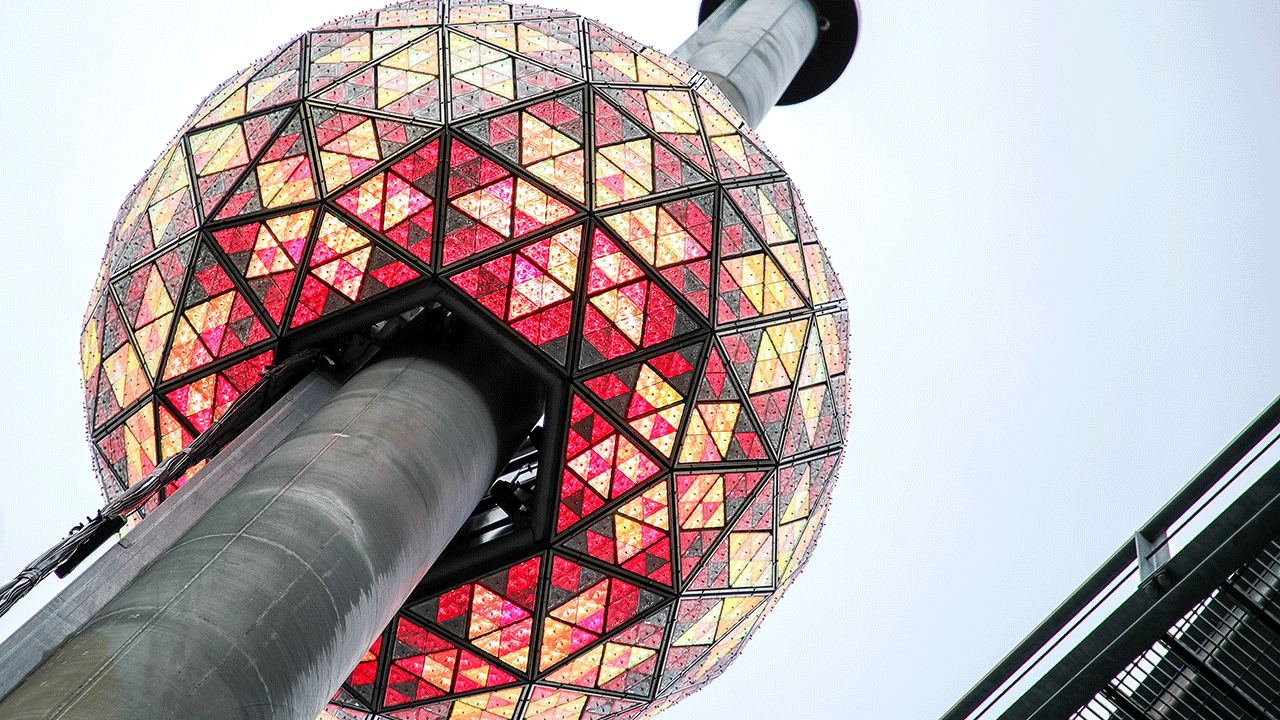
(645, 274)
(573, 629)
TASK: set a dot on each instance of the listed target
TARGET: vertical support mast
(762, 53)
(751, 49)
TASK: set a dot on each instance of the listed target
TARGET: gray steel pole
(752, 49)
(267, 602)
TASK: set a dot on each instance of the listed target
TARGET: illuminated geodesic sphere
(600, 209)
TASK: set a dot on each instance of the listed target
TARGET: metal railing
(1229, 474)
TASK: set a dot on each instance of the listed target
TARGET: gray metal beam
(272, 596)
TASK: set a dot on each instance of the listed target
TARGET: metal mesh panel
(1229, 639)
(1259, 579)
(1100, 708)
(1220, 660)
(1160, 684)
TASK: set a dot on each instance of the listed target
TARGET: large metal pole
(267, 602)
(752, 49)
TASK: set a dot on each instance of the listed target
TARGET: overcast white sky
(1056, 223)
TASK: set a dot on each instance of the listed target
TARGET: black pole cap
(837, 36)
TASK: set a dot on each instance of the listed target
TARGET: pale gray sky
(1056, 223)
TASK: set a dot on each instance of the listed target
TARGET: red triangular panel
(650, 396)
(531, 289)
(743, 558)
(636, 537)
(600, 464)
(626, 311)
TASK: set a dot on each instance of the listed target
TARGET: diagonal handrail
(1117, 564)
